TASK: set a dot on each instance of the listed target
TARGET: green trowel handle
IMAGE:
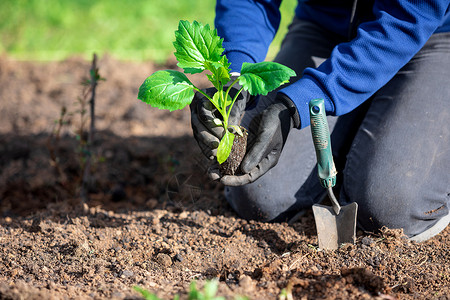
(322, 143)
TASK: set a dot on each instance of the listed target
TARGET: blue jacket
(382, 44)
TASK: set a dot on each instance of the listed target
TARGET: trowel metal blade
(334, 230)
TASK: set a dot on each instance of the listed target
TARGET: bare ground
(153, 218)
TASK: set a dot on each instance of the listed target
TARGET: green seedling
(208, 293)
(198, 49)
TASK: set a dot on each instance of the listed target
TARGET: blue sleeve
(357, 69)
(247, 27)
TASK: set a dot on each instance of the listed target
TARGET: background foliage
(126, 29)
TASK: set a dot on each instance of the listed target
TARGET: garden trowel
(335, 224)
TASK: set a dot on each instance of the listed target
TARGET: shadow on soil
(135, 173)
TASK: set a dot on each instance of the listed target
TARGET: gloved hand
(203, 113)
(267, 135)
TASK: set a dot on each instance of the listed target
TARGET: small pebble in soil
(127, 273)
(367, 241)
(85, 208)
(178, 257)
(164, 260)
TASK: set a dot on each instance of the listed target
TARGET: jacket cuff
(301, 93)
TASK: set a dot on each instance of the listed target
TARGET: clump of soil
(153, 218)
(233, 162)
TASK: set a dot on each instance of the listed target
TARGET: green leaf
(262, 78)
(224, 149)
(217, 101)
(217, 122)
(237, 129)
(167, 89)
(210, 289)
(220, 71)
(146, 294)
(194, 294)
(195, 44)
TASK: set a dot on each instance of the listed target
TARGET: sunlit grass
(130, 30)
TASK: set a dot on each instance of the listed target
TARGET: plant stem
(224, 108)
(87, 165)
(227, 113)
(231, 85)
(94, 81)
(206, 95)
(220, 109)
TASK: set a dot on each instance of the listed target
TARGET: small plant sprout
(199, 48)
(208, 293)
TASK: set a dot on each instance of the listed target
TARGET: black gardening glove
(206, 132)
(267, 135)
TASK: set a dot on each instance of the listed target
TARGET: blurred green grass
(128, 30)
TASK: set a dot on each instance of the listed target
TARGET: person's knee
(396, 202)
(393, 210)
(253, 202)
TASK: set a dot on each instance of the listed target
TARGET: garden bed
(153, 218)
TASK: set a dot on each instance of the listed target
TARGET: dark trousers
(392, 153)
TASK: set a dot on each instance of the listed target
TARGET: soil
(232, 165)
(153, 217)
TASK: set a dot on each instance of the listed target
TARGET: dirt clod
(367, 241)
(164, 260)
